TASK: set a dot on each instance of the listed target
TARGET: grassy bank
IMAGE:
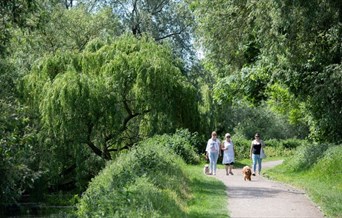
(316, 169)
(209, 198)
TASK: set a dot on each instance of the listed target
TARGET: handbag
(262, 154)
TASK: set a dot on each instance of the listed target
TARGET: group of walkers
(215, 148)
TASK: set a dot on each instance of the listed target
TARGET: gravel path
(265, 198)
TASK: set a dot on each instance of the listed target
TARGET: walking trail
(265, 198)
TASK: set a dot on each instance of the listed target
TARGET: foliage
(148, 181)
(298, 43)
(306, 156)
(291, 143)
(274, 147)
(60, 30)
(18, 166)
(328, 164)
(165, 21)
(15, 14)
(180, 143)
(282, 101)
(241, 146)
(109, 98)
(262, 120)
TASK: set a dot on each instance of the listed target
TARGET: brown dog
(246, 172)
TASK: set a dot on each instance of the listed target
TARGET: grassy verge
(209, 197)
(326, 194)
(321, 181)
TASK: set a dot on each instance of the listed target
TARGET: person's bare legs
(231, 169)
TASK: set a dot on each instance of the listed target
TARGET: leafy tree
(60, 30)
(18, 156)
(165, 21)
(14, 14)
(298, 41)
(109, 98)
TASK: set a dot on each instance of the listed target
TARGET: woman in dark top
(256, 145)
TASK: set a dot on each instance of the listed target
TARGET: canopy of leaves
(299, 42)
(126, 90)
(14, 13)
(164, 20)
(60, 30)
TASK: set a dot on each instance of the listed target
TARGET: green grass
(209, 197)
(322, 181)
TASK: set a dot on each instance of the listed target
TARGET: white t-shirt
(213, 146)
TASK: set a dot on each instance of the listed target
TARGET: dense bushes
(148, 181)
(241, 146)
(181, 143)
(274, 147)
(330, 164)
(306, 156)
(18, 157)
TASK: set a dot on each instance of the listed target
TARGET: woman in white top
(228, 154)
(213, 151)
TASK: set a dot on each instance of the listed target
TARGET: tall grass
(316, 168)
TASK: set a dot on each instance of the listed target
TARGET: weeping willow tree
(111, 96)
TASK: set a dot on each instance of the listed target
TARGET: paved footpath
(265, 198)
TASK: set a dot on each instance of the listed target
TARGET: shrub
(330, 164)
(293, 143)
(305, 156)
(241, 146)
(284, 148)
(180, 143)
(275, 143)
(146, 182)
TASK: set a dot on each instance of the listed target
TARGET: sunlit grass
(209, 197)
(322, 181)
